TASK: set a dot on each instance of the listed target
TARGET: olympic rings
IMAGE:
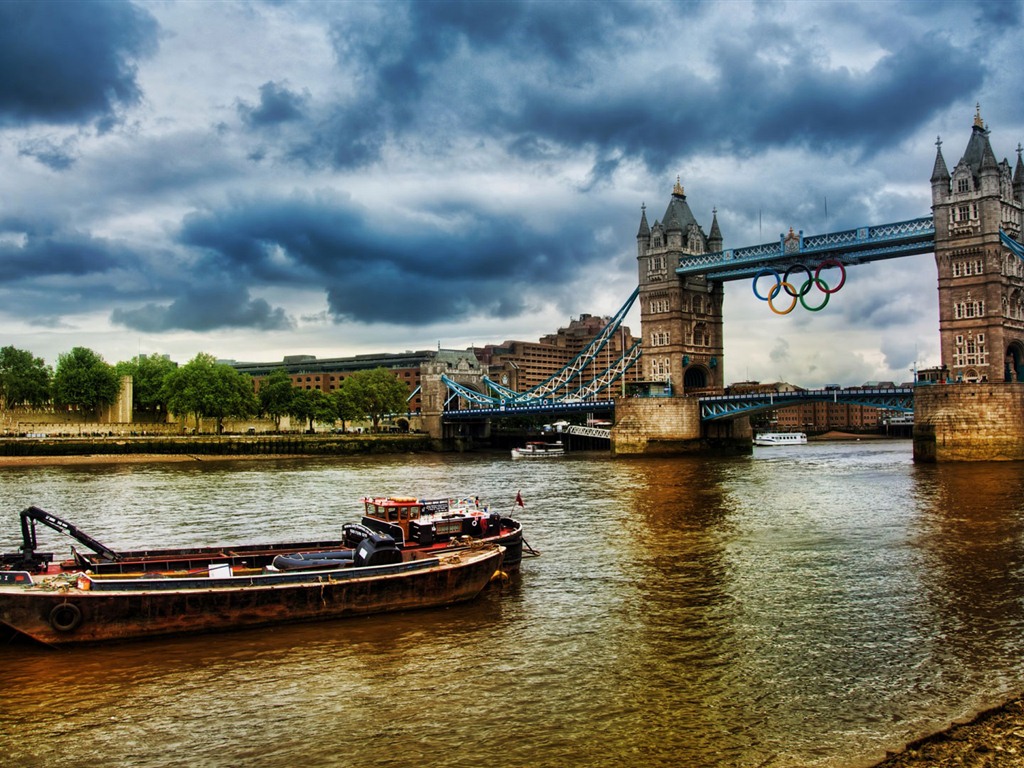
(814, 280)
(775, 292)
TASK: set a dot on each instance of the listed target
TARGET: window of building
(962, 185)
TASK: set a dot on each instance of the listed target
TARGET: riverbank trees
(202, 388)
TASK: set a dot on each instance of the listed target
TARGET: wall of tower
(980, 283)
(680, 318)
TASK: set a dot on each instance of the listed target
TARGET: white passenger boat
(539, 450)
(780, 438)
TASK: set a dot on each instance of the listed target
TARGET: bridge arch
(1014, 368)
(696, 377)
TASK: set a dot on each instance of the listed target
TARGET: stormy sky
(257, 179)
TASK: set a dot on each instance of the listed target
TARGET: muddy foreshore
(993, 739)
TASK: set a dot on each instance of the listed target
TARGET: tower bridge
(974, 231)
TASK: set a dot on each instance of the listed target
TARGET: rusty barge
(82, 608)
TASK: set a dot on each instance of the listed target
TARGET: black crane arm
(29, 517)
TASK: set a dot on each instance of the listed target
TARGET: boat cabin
(426, 521)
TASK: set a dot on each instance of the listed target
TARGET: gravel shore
(994, 739)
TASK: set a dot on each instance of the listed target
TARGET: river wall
(969, 422)
(226, 445)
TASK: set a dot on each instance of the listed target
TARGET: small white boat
(539, 450)
(780, 438)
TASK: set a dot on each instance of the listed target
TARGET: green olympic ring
(823, 287)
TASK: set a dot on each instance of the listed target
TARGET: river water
(804, 606)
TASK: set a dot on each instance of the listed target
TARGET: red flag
(519, 498)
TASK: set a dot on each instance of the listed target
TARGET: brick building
(522, 365)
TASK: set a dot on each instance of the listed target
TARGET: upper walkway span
(851, 246)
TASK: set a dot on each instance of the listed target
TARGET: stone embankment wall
(234, 445)
(969, 422)
(671, 425)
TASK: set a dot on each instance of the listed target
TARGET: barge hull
(85, 616)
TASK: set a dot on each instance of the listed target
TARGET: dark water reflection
(802, 607)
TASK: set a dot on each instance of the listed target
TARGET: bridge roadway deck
(714, 407)
(718, 407)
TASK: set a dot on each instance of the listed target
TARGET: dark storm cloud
(541, 78)
(278, 104)
(57, 157)
(37, 249)
(393, 271)
(753, 103)
(70, 63)
(205, 308)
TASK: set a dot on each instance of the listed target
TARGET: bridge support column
(653, 426)
(969, 422)
(458, 436)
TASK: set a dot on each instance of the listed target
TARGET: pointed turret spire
(715, 238)
(645, 230)
(1018, 176)
(940, 172)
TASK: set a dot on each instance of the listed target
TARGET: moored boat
(71, 608)
(426, 526)
(539, 450)
(780, 438)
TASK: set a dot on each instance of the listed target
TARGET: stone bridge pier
(462, 368)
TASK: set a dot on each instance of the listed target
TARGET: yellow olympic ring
(775, 292)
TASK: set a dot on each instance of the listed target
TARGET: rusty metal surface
(115, 615)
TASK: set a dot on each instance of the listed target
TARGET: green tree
(85, 380)
(312, 405)
(149, 373)
(377, 393)
(205, 388)
(345, 406)
(275, 395)
(24, 379)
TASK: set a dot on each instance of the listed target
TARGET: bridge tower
(981, 282)
(680, 317)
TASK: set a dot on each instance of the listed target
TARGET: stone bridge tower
(461, 367)
(680, 317)
(981, 282)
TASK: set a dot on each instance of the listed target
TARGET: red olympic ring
(832, 263)
(775, 292)
(765, 271)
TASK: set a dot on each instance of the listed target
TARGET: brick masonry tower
(680, 317)
(981, 282)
